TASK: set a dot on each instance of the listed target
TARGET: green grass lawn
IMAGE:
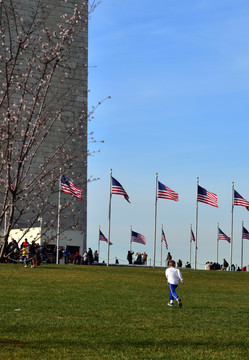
(96, 312)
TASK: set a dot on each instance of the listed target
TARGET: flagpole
(161, 247)
(217, 247)
(58, 220)
(99, 244)
(154, 246)
(196, 225)
(109, 219)
(190, 243)
(231, 240)
(131, 237)
(242, 245)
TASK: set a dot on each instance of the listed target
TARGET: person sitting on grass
(188, 265)
(173, 276)
(179, 263)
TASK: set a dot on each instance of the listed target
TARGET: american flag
(69, 188)
(102, 237)
(139, 238)
(245, 234)
(206, 197)
(238, 200)
(223, 236)
(118, 189)
(192, 235)
(164, 192)
(164, 239)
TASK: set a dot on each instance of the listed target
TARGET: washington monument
(43, 105)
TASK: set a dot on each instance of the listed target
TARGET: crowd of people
(28, 253)
(179, 262)
(224, 266)
(88, 258)
(33, 254)
(139, 259)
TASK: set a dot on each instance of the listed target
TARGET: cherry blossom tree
(43, 111)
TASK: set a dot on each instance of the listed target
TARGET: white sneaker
(170, 304)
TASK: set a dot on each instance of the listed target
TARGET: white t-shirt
(173, 275)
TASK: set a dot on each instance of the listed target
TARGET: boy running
(173, 275)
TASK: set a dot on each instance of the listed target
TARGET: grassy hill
(97, 312)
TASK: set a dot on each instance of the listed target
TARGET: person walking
(173, 276)
(32, 254)
(168, 258)
(90, 256)
(65, 252)
(129, 256)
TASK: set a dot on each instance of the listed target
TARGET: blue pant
(172, 292)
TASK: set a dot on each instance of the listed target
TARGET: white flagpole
(99, 244)
(161, 246)
(190, 243)
(217, 247)
(58, 221)
(154, 246)
(231, 240)
(242, 245)
(131, 237)
(109, 219)
(196, 225)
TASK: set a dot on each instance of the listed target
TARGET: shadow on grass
(142, 343)
(54, 267)
(10, 343)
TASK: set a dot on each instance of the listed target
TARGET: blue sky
(178, 76)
